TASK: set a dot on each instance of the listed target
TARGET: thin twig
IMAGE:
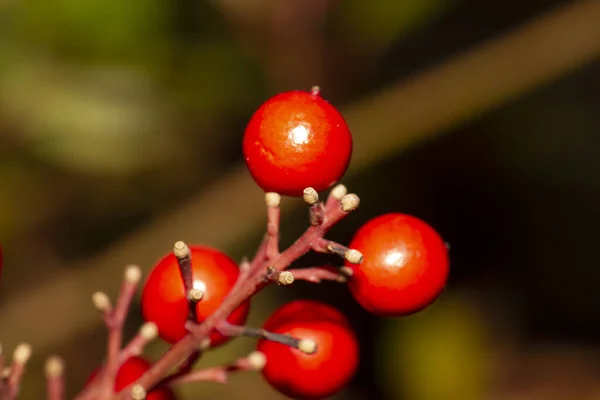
(252, 362)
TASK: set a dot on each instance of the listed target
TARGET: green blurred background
(120, 133)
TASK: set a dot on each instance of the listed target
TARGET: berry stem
(255, 280)
(318, 274)
(132, 278)
(252, 362)
(148, 332)
(273, 217)
(55, 382)
(21, 355)
(233, 330)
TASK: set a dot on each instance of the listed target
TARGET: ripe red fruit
(130, 371)
(297, 140)
(310, 376)
(164, 300)
(405, 265)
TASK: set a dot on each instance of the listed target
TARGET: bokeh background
(120, 132)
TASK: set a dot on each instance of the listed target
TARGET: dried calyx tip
(54, 367)
(205, 344)
(138, 392)
(257, 360)
(310, 196)
(339, 191)
(101, 301)
(133, 274)
(350, 202)
(353, 256)
(307, 346)
(180, 249)
(22, 353)
(285, 278)
(149, 331)
(272, 199)
(195, 295)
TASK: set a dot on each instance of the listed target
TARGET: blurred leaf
(102, 121)
(374, 24)
(440, 353)
(218, 78)
(95, 28)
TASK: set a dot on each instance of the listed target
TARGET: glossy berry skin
(296, 140)
(315, 376)
(405, 265)
(164, 300)
(130, 371)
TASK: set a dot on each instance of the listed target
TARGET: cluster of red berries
(296, 144)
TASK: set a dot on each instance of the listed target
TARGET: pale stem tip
(257, 360)
(272, 199)
(180, 249)
(205, 344)
(315, 90)
(101, 301)
(54, 367)
(307, 346)
(310, 196)
(22, 354)
(285, 278)
(353, 256)
(339, 191)
(133, 274)
(195, 295)
(347, 271)
(138, 392)
(149, 331)
(350, 202)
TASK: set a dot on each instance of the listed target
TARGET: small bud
(257, 360)
(347, 271)
(205, 345)
(310, 196)
(338, 192)
(272, 199)
(353, 256)
(133, 274)
(101, 301)
(180, 249)
(138, 392)
(285, 278)
(54, 367)
(350, 202)
(195, 295)
(149, 331)
(21, 354)
(307, 346)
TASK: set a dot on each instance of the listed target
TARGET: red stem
(181, 350)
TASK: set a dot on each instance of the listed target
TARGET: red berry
(297, 140)
(405, 265)
(310, 376)
(130, 371)
(164, 300)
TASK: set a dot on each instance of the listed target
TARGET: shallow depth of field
(120, 133)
